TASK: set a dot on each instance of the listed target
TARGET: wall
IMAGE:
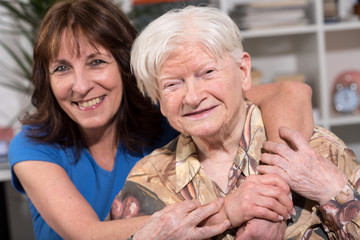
(12, 102)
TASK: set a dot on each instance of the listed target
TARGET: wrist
(342, 208)
(340, 190)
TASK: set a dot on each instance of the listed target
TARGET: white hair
(208, 26)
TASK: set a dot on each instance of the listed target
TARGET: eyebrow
(59, 61)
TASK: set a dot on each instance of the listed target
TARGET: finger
(278, 148)
(274, 159)
(268, 214)
(275, 200)
(186, 206)
(210, 231)
(275, 191)
(295, 138)
(274, 180)
(267, 169)
(203, 212)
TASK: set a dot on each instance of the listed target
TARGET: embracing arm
(284, 104)
(64, 208)
(71, 216)
(327, 173)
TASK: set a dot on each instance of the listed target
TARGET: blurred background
(313, 41)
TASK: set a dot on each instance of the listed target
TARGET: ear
(245, 67)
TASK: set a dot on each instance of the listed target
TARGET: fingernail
(281, 218)
(289, 216)
(290, 196)
(293, 212)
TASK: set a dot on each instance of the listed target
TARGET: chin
(204, 133)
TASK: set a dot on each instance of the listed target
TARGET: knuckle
(272, 203)
(280, 147)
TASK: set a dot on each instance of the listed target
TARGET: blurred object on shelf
(135, 2)
(145, 11)
(357, 8)
(330, 11)
(346, 10)
(346, 92)
(273, 13)
(256, 76)
(297, 77)
(6, 134)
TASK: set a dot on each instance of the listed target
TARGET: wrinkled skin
(306, 172)
(259, 229)
(181, 220)
(259, 196)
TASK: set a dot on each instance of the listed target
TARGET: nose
(193, 92)
(82, 83)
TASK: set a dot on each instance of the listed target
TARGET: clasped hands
(262, 203)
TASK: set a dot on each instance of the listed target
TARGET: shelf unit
(319, 50)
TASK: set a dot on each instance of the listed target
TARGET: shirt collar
(246, 159)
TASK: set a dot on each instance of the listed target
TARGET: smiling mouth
(91, 102)
(194, 113)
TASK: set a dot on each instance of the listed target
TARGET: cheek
(170, 105)
(59, 89)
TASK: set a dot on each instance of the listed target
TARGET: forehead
(190, 52)
(72, 45)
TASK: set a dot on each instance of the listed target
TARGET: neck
(225, 142)
(102, 146)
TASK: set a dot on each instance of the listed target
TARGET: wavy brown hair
(103, 23)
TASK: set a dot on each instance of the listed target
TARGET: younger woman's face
(88, 85)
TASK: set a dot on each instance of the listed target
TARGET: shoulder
(322, 137)
(331, 147)
(23, 148)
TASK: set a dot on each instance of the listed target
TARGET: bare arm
(64, 208)
(284, 104)
(71, 216)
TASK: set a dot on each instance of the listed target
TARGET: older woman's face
(201, 95)
(88, 86)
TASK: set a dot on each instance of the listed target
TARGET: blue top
(98, 186)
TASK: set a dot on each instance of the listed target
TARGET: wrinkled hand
(259, 196)
(181, 220)
(259, 229)
(306, 172)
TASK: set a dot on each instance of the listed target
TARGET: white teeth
(90, 103)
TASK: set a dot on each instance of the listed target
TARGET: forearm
(115, 229)
(284, 104)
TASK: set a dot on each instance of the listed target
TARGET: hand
(181, 220)
(306, 172)
(259, 229)
(259, 196)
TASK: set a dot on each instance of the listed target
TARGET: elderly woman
(192, 63)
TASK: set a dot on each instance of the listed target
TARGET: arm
(284, 104)
(182, 221)
(330, 179)
(64, 208)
